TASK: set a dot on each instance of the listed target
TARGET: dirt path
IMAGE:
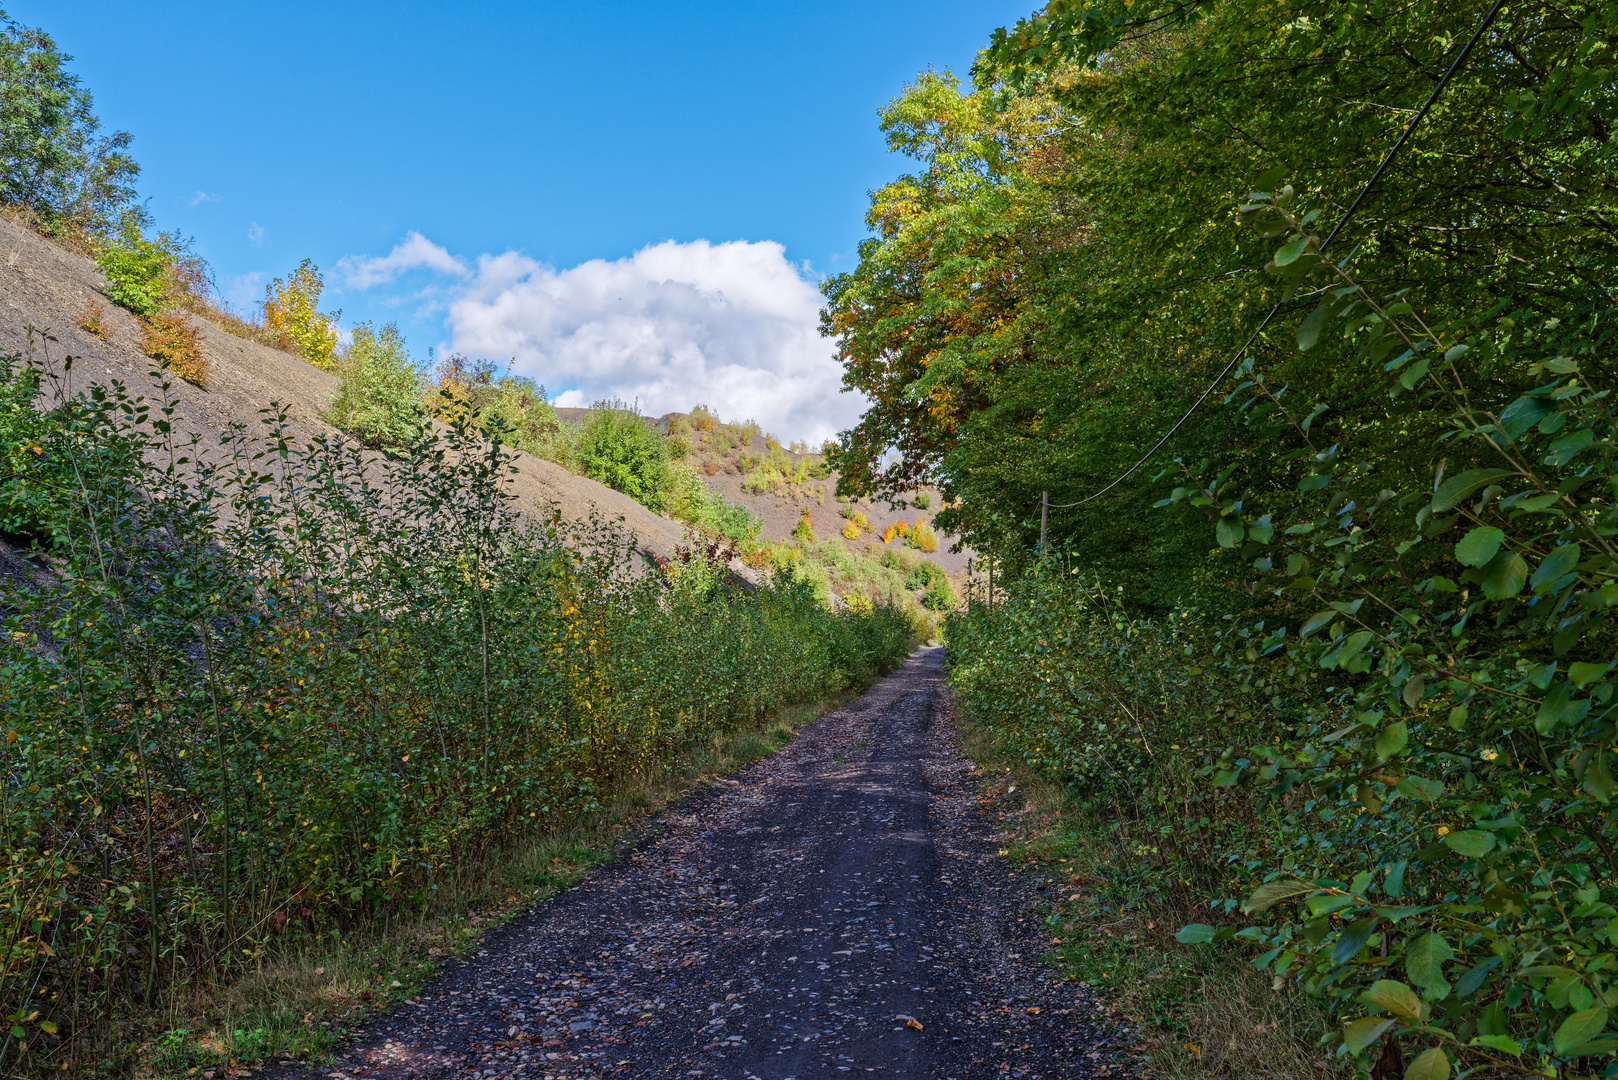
(784, 923)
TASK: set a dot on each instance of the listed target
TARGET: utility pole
(1044, 517)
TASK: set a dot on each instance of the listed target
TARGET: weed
(91, 319)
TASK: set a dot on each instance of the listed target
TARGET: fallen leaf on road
(913, 1023)
(1033, 1011)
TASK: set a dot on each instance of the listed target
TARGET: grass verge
(298, 1002)
(1200, 1012)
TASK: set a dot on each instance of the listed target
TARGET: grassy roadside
(298, 1002)
(1201, 1012)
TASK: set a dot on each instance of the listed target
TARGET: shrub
(688, 499)
(804, 532)
(90, 320)
(858, 517)
(618, 447)
(902, 528)
(511, 408)
(851, 530)
(678, 448)
(53, 161)
(940, 596)
(889, 533)
(923, 537)
(703, 419)
(922, 500)
(379, 398)
(819, 469)
(30, 466)
(137, 269)
(924, 575)
(291, 312)
(171, 339)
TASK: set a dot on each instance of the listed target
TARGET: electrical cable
(1387, 159)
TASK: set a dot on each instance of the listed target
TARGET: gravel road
(836, 909)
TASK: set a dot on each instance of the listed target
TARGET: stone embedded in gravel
(836, 908)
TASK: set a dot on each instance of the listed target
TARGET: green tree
(379, 398)
(620, 448)
(53, 159)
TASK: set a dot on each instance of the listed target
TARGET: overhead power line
(1387, 159)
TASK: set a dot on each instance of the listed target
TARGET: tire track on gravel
(787, 921)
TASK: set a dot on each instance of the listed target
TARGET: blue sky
(562, 133)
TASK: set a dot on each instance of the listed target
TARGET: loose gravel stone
(837, 908)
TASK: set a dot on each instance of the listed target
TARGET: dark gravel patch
(791, 920)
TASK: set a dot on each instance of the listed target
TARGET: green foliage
(309, 678)
(804, 531)
(923, 575)
(688, 499)
(512, 408)
(940, 596)
(137, 269)
(53, 160)
(922, 500)
(773, 472)
(618, 447)
(379, 398)
(293, 317)
(36, 476)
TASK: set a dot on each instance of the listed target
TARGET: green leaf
(1228, 530)
(1392, 739)
(1419, 787)
(1472, 843)
(1424, 963)
(1309, 330)
(1430, 1065)
(1290, 251)
(1584, 674)
(1468, 984)
(1563, 560)
(1394, 884)
(1394, 997)
(1272, 893)
(1503, 578)
(1195, 934)
(1316, 621)
(1352, 940)
(1558, 708)
(1358, 1034)
(1413, 690)
(1579, 1029)
(1458, 487)
(1410, 376)
(1523, 414)
(1594, 1048)
(1479, 546)
(1503, 1043)
(1598, 777)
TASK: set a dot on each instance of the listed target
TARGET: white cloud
(255, 234)
(733, 325)
(242, 291)
(415, 251)
(202, 197)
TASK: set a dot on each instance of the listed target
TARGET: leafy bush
(292, 314)
(850, 530)
(53, 161)
(90, 320)
(940, 596)
(512, 408)
(315, 684)
(922, 500)
(687, 499)
(923, 538)
(379, 398)
(804, 531)
(618, 447)
(924, 575)
(34, 475)
(168, 337)
(137, 269)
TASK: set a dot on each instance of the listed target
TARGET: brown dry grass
(1202, 1012)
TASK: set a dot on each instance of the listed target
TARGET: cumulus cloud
(414, 252)
(734, 326)
(202, 197)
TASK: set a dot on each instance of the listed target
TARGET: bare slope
(45, 287)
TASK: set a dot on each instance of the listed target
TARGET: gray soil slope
(838, 908)
(46, 288)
